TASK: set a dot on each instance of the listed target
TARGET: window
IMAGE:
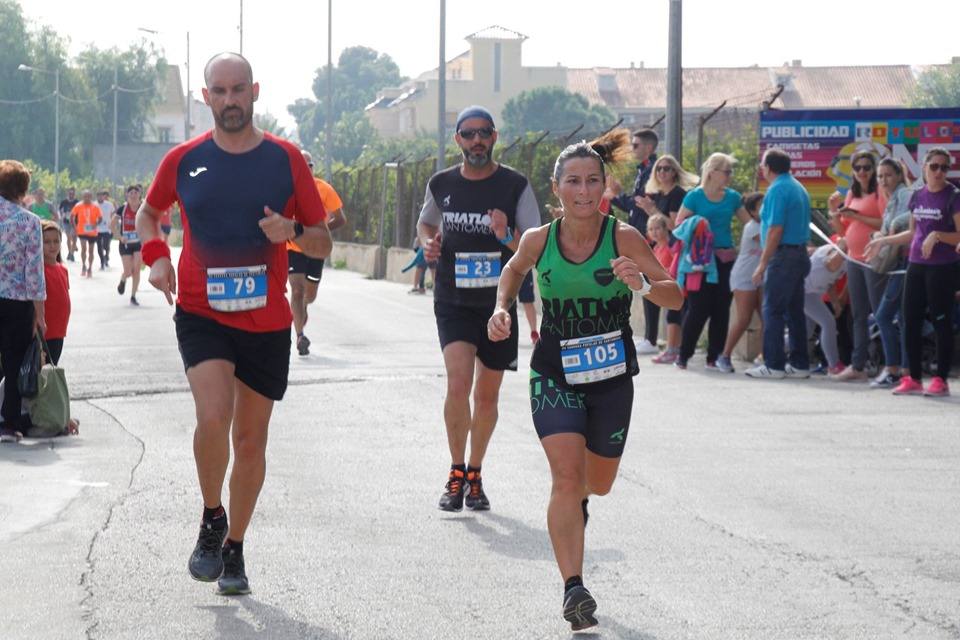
(164, 134)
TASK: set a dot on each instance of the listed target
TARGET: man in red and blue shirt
(242, 194)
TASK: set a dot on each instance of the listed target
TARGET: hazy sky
(286, 40)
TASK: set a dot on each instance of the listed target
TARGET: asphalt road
(744, 509)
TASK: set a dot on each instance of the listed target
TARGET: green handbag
(50, 409)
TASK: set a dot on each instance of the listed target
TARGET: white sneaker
(792, 372)
(644, 347)
(761, 371)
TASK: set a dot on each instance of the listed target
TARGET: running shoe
(206, 561)
(70, 257)
(908, 387)
(578, 608)
(724, 365)
(680, 364)
(452, 498)
(644, 347)
(711, 365)
(10, 435)
(885, 380)
(133, 301)
(122, 286)
(418, 290)
(937, 388)
(233, 581)
(667, 357)
(763, 371)
(476, 499)
(303, 345)
(791, 371)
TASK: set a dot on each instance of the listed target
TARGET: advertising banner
(820, 143)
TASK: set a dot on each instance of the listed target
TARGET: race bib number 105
(593, 358)
(237, 288)
(477, 270)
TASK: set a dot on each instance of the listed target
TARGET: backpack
(701, 246)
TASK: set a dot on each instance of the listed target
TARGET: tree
(553, 109)
(27, 116)
(359, 74)
(937, 87)
(268, 122)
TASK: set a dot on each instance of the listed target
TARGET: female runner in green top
(581, 388)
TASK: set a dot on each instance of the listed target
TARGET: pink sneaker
(937, 388)
(908, 387)
(667, 357)
(836, 369)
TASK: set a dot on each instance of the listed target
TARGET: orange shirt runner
(86, 217)
(331, 202)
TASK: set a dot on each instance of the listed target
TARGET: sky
(286, 40)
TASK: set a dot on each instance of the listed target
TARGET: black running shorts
(602, 418)
(311, 268)
(261, 360)
(469, 324)
(129, 248)
(89, 239)
(526, 289)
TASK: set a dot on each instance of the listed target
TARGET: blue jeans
(783, 304)
(892, 335)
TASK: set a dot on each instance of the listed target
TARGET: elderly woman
(22, 288)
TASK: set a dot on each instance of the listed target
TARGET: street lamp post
(56, 125)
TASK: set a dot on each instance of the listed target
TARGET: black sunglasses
(936, 166)
(664, 168)
(468, 134)
(863, 168)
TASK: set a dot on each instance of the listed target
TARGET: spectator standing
(104, 236)
(860, 216)
(827, 265)
(66, 221)
(22, 289)
(931, 279)
(715, 201)
(892, 180)
(747, 297)
(664, 194)
(644, 144)
(784, 264)
(667, 250)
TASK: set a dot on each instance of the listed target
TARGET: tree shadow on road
(267, 622)
(514, 539)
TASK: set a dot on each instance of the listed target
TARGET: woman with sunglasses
(718, 203)
(931, 279)
(860, 215)
(664, 194)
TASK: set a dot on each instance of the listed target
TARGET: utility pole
(56, 138)
(328, 156)
(189, 132)
(442, 88)
(116, 92)
(675, 83)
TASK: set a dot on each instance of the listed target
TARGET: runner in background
(304, 273)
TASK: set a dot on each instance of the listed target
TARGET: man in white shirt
(104, 237)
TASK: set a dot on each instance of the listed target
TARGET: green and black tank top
(585, 335)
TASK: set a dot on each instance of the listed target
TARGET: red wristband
(153, 250)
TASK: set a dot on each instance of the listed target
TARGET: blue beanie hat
(474, 111)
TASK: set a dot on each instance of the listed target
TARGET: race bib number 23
(237, 288)
(477, 270)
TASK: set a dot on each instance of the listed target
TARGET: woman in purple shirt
(931, 279)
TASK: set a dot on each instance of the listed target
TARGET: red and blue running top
(229, 270)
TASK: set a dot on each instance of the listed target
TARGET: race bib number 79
(237, 288)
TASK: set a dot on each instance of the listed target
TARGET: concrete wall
(366, 259)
